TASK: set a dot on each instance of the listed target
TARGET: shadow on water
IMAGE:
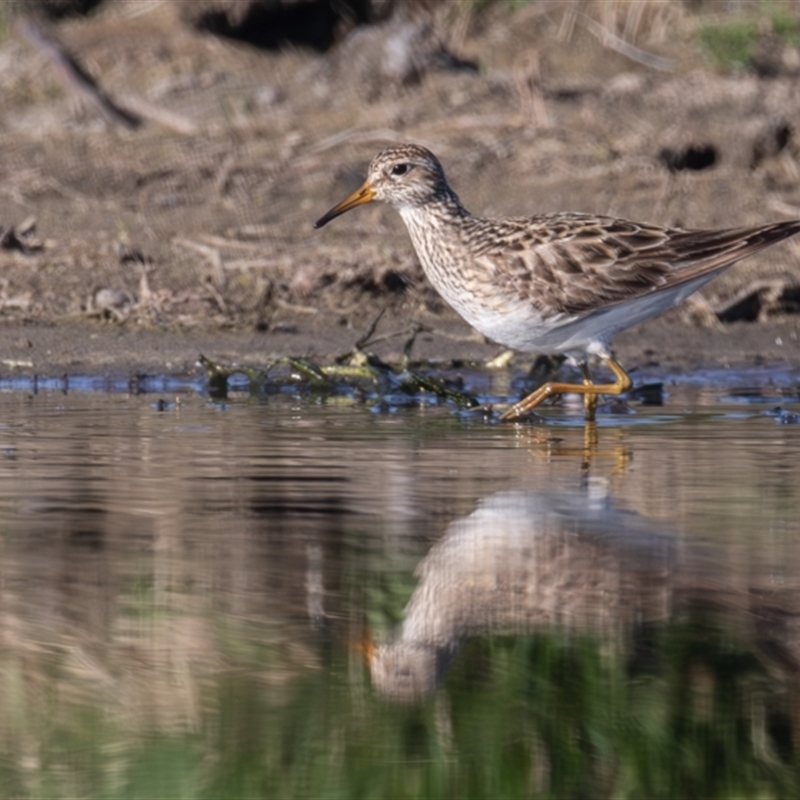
(290, 598)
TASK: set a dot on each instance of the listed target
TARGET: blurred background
(162, 161)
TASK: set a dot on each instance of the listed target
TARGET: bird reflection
(522, 562)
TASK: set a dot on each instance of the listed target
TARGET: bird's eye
(399, 169)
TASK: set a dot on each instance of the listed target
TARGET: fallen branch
(75, 78)
(619, 45)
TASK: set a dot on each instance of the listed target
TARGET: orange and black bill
(363, 195)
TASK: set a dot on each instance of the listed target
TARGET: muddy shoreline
(659, 348)
(137, 249)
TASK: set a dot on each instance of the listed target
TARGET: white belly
(521, 327)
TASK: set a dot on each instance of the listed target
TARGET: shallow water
(285, 596)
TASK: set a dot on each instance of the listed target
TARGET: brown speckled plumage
(521, 563)
(553, 283)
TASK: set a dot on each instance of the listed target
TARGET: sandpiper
(562, 283)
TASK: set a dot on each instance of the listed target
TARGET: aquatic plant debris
(334, 379)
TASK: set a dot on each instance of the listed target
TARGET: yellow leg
(589, 399)
(589, 390)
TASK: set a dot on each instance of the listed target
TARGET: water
(192, 594)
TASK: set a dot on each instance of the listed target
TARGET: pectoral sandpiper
(552, 283)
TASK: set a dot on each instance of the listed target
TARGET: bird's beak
(364, 647)
(365, 194)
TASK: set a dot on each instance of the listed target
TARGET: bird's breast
(474, 286)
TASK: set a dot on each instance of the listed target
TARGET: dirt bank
(657, 348)
(137, 246)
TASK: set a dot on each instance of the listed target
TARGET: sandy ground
(138, 248)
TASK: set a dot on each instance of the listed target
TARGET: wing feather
(572, 263)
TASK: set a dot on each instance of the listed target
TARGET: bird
(561, 283)
(520, 563)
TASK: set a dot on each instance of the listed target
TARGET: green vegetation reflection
(689, 712)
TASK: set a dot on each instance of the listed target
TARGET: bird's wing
(572, 263)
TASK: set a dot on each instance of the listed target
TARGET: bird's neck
(437, 221)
